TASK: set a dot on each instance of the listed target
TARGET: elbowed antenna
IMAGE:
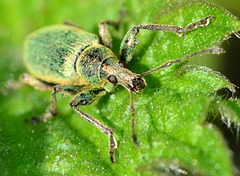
(216, 50)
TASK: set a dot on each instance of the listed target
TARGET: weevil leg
(39, 85)
(104, 32)
(53, 103)
(9, 86)
(70, 23)
(86, 98)
(215, 50)
(129, 42)
(66, 90)
(34, 82)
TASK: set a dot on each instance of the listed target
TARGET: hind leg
(40, 85)
(35, 83)
(66, 90)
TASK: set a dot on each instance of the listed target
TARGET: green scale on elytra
(55, 50)
(70, 61)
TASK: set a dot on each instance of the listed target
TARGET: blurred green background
(19, 18)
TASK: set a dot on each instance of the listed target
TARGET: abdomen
(51, 52)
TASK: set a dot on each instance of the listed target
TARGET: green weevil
(68, 60)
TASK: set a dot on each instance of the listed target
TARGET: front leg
(86, 98)
(66, 90)
(129, 42)
(104, 32)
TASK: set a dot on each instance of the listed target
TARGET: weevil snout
(115, 72)
(130, 80)
(138, 84)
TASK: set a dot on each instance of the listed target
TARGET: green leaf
(171, 112)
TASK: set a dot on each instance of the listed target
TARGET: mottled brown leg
(215, 50)
(129, 42)
(104, 32)
(66, 90)
(9, 86)
(86, 98)
(48, 115)
(34, 82)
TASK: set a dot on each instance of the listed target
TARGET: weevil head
(115, 72)
(100, 67)
(138, 83)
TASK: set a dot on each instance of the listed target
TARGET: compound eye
(112, 79)
(122, 64)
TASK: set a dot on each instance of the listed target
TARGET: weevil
(68, 60)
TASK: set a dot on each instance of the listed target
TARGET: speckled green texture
(90, 62)
(170, 112)
(50, 53)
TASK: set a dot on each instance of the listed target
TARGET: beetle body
(68, 60)
(52, 53)
(67, 55)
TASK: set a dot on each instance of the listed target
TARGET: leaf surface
(170, 113)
